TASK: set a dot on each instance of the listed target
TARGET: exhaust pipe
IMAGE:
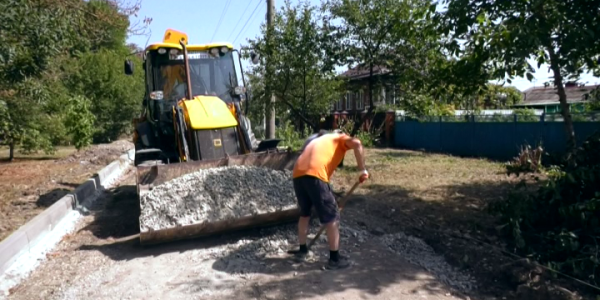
(187, 70)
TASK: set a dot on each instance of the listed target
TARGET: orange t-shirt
(322, 156)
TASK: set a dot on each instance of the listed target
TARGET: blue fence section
(495, 140)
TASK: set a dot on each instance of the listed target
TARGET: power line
(244, 32)
(221, 19)
(247, 21)
(239, 20)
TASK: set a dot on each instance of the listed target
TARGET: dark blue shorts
(312, 191)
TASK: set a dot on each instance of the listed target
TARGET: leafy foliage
(559, 225)
(529, 160)
(382, 34)
(44, 45)
(114, 96)
(290, 136)
(298, 71)
(499, 37)
(80, 121)
(368, 136)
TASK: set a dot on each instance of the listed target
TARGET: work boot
(342, 263)
(302, 256)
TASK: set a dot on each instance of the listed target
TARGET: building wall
(356, 99)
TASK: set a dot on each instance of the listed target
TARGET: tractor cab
(192, 104)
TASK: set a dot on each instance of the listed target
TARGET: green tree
(80, 121)
(303, 81)
(378, 34)
(114, 96)
(41, 42)
(501, 35)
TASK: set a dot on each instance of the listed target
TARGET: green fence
(495, 137)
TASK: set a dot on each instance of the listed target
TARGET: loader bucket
(150, 176)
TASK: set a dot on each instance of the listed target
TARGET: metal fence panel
(497, 140)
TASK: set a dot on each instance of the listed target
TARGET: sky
(205, 22)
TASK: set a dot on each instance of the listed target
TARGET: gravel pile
(217, 194)
(418, 252)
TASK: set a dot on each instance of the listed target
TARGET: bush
(529, 160)
(369, 137)
(559, 224)
(290, 136)
(526, 115)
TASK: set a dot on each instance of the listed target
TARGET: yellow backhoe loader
(192, 119)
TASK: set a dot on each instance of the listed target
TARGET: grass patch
(428, 177)
(61, 152)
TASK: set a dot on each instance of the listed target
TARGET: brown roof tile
(543, 95)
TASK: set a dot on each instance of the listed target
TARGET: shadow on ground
(49, 198)
(461, 228)
(451, 227)
(376, 271)
(116, 215)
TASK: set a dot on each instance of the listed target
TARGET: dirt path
(226, 267)
(29, 185)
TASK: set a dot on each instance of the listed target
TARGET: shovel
(341, 205)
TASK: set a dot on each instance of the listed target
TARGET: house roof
(359, 72)
(549, 95)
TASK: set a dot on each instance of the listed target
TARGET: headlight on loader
(156, 95)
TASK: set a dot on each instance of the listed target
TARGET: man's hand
(363, 176)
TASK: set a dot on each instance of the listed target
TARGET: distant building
(356, 98)
(546, 98)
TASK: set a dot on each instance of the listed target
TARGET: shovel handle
(341, 204)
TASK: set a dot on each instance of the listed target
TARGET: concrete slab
(10, 247)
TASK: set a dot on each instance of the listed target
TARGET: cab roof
(197, 47)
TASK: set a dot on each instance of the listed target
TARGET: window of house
(338, 104)
(360, 100)
(390, 94)
(348, 100)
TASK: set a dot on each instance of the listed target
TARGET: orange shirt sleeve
(343, 139)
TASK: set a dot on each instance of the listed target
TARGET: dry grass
(31, 183)
(442, 191)
(427, 177)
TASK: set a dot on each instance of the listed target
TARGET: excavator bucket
(151, 176)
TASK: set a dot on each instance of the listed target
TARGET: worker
(311, 175)
(312, 137)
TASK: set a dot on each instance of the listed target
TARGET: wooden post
(334, 123)
(270, 111)
(389, 125)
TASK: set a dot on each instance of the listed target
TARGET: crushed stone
(216, 194)
(416, 251)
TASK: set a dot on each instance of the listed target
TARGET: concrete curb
(42, 232)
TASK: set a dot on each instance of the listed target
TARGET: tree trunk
(11, 151)
(562, 98)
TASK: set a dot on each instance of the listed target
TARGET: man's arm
(356, 145)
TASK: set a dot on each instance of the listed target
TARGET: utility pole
(270, 109)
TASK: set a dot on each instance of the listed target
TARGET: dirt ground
(439, 199)
(32, 183)
(83, 266)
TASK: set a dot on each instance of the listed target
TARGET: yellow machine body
(208, 112)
